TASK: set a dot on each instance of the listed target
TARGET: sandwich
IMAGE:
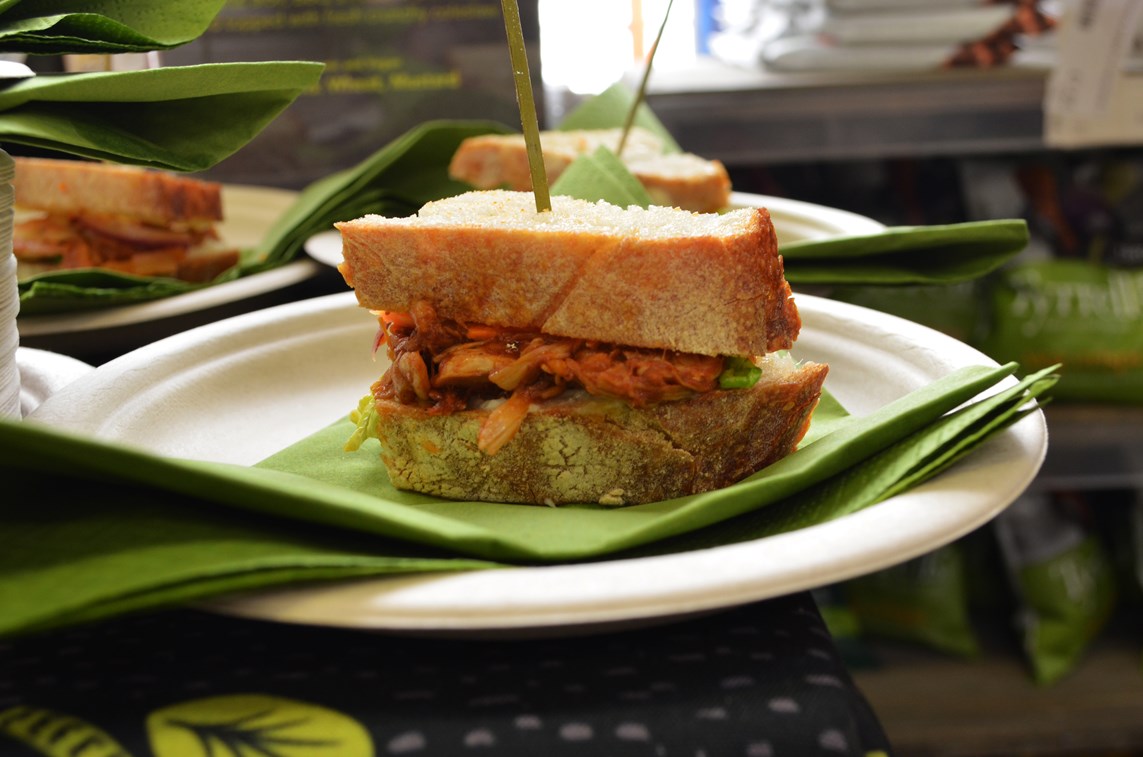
(674, 179)
(586, 354)
(78, 214)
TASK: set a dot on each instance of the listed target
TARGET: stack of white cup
(9, 298)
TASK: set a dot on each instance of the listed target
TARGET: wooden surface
(936, 706)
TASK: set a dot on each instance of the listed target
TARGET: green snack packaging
(953, 309)
(844, 626)
(1086, 316)
(922, 601)
(1062, 577)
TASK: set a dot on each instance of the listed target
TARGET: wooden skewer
(527, 102)
(642, 93)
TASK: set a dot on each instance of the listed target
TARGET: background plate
(241, 389)
(794, 220)
(250, 211)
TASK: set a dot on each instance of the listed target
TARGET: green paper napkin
(68, 291)
(395, 180)
(942, 254)
(135, 530)
(601, 175)
(609, 109)
(183, 118)
(102, 549)
(895, 469)
(101, 26)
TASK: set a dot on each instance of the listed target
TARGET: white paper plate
(43, 373)
(793, 220)
(9, 301)
(250, 211)
(241, 389)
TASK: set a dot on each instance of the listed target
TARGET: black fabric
(756, 681)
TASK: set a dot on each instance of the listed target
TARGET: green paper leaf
(609, 109)
(903, 465)
(396, 180)
(182, 118)
(88, 289)
(601, 176)
(102, 26)
(105, 549)
(125, 530)
(942, 254)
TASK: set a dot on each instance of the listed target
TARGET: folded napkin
(181, 118)
(907, 255)
(101, 26)
(397, 179)
(103, 529)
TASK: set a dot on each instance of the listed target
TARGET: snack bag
(1083, 315)
(1062, 578)
(843, 625)
(922, 601)
(953, 309)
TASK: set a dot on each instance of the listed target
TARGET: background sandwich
(79, 214)
(674, 179)
(586, 354)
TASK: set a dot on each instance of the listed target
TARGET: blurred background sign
(1095, 92)
(390, 65)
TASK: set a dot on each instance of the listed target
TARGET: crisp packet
(922, 601)
(1085, 316)
(953, 309)
(843, 625)
(1062, 578)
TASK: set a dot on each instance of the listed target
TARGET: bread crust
(705, 192)
(155, 197)
(680, 180)
(586, 450)
(720, 290)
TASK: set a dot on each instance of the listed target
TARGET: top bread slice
(154, 197)
(680, 180)
(658, 277)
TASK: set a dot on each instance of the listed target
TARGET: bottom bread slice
(579, 449)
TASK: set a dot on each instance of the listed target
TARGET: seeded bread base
(603, 451)
(681, 180)
(155, 197)
(663, 278)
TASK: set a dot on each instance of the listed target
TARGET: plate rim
(414, 603)
(851, 222)
(95, 319)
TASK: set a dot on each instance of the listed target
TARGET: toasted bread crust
(603, 451)
(490, 161)
(705, 192)
(155, 197)
(670, 279)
